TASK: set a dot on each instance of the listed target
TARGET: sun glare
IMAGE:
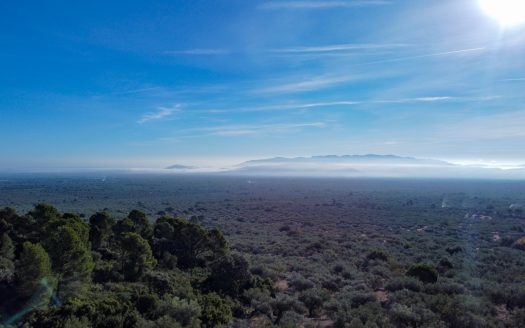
(506, 12)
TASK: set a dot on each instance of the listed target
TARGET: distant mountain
(370, 165)
(369, 158)
(180, 167)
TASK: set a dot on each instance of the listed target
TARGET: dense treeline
(56, 270)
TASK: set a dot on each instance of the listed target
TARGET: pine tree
(7, 255)
(99, 229)
(72, 262)
(32, 270)
(141, 222)
(137, 257)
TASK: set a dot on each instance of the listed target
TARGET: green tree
(8, 214)
(424, 272)
(7, 256)
(169, 282)
(43, 213)
(185, 312)
(230, 275)
(313, 299)
(33, 267)
(73, 221)
(80, 226)
(141, 223)
(215, 310)
(123, 226)
(191, 243)
(163, 229)
(7, 250)
(99, 229)
(72, 261)
(280, 304)
(20, 228)
(5, 226)
(137, 257)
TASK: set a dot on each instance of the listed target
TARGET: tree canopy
(56, 270)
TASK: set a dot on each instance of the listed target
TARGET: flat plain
(353, 239)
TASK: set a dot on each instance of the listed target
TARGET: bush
(520, 243)
(444, 265)
(403, 315)
(301, 284)
(379, 255)
(172, 283)
(424, 272)
(444, 288)
(146, 303)
(454, 249)
(215, 310)
(230, 275)
(185, 312)
(338, 268)
(359, 299)
(408, 283)
(313, 299)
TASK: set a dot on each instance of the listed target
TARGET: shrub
(378, 255)
(280, 304)
(146, 303)
(313, 299)
(520, 243)
(172, 283)
(215, 310)
(444, 288)
(424, 272)
(516, 298)
(359, 299)
(230, 275)
(300, 284)
(185, 312)
(454, 249)
(401, 283)
(403, 315)
(338, 268)
(507, 241)
(444, 265)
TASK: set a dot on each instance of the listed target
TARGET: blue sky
(152, 83)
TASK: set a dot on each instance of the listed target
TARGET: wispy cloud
(320, 4)
(134, 91)
(338, 48)
(468, 51)
(308, 84)
(433, 99)
(518, 79)
(328, 104)
(280, 107)
(161, 113)
(243, 130)
(198, 52)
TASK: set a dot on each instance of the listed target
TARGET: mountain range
(370, 165)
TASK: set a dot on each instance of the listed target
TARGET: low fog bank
(351, 166)
(361, 166)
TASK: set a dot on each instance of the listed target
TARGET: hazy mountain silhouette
(180, 167)
(370, 165)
